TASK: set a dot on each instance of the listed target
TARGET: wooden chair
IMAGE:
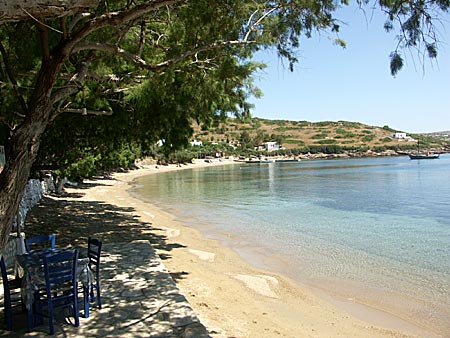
(40, 241)
(11, 295)
(61, 287)
(94, 290)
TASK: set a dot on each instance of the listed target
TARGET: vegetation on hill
(303, 136)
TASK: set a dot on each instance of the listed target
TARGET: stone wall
(34, 191)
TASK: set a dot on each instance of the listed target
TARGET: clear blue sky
(354, 84)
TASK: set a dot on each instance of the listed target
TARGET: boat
(422, 156)
(286, 160)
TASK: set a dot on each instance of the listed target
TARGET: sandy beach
(231, 297)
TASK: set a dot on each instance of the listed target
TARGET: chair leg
(98, 295)
(37, 313)
(75, 310)
(50, 319)
(86, 301)
(30, 319)
(8, 319)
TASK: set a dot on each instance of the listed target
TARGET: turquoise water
(375, 230)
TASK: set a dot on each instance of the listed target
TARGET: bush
(368, 138)
(83, 168)
(319, 136)
(329, 141)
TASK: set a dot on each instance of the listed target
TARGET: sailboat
(422, 156)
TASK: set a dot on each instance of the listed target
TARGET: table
(31, 268)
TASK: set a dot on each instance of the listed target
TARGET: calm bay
(373, 231)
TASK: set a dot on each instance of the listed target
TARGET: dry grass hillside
(298, 134)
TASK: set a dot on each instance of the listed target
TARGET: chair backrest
(41, 242)
(60, 268)
(94, 252)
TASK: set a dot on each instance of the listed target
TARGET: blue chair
(61, 287)
(94, 252)
(41, 241)
(11, 295)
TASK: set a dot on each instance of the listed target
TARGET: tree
(245, 139)
(278, 138)
(84, 60)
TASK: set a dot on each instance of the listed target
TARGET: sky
(354, 84)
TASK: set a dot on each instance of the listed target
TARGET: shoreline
(233, 298)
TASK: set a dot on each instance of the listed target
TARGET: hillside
(301, 134)
(442, 135)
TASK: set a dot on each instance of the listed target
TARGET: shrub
(328, 141)
(368, 138)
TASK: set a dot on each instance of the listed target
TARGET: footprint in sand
(260, 284)
(203, 255)
(171, 233)
(149, 214)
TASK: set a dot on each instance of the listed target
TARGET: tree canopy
(93, 78)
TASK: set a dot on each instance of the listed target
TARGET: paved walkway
(139, 299)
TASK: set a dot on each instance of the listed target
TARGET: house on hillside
(196, 143)
(271, 146)
(399, 135)
(402, 137)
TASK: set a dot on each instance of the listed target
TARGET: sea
(368, 231)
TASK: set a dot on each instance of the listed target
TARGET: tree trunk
(15, 10)
(24, 145)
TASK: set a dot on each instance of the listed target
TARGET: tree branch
(44, 40)
(24, 9)
(75, 20)
(74, 83)
(84, 111)
(257, 22)
(118, 18)
(138, 61)
(63, 24)
(141, 39)
(12, 78)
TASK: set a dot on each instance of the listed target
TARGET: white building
(196, 143)
(402, 137)
(160, 143)
(271, 146)
(399, 135)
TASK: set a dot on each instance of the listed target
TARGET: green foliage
(245, 139)
(320, 136)
(328, 141)
(368, 138)
(179, 157)
(345, 133)
(396, 63)
(324, 123)
(327, 149)
(389, 129)
(85, 167)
